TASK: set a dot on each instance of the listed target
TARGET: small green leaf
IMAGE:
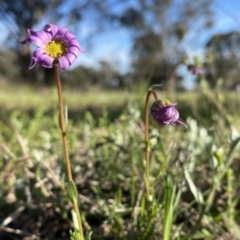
(89, 236)
(72, 191)
(233, 146)
(75, 235)
(195, 191)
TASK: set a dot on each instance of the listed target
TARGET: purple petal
(35, 56)
(46, 61)
(38, 41)
(75, 43)
(69, 36)
(40, 38)
(40, 56)
(182, 123)
(166, 114)
(61, 34)
(25, 41)
(71, 57)
(172, 114)
(64, 63)
(32, 63)
(44, 36)
(51, 28)
(74, 50)
(38, 52)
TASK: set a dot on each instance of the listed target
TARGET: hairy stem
(147, 142)
(62, 122)
(65, 144)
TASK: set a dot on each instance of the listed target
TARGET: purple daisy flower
(55, 45)
(165, 113)
(195, 70)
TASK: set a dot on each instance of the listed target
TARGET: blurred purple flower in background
(165, 113)
(195, 70)
(56, 45)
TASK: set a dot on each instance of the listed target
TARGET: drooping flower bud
(165, 113)
(195, 70)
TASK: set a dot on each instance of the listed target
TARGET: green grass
(26, 98)
(194, 171)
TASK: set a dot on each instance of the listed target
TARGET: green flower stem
(65, 144)
(147, 142)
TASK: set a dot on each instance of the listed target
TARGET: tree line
(158, 29)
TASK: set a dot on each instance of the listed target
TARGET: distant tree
(159, 28)
(8, 59)
(223, 54)
(106, 76)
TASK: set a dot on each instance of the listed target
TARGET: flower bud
(165, 113)
(195, 70)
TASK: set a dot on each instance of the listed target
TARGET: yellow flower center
(56, 49)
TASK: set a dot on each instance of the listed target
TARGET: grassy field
(194, 172)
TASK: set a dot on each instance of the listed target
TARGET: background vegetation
(159, 34)
(194, 171)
